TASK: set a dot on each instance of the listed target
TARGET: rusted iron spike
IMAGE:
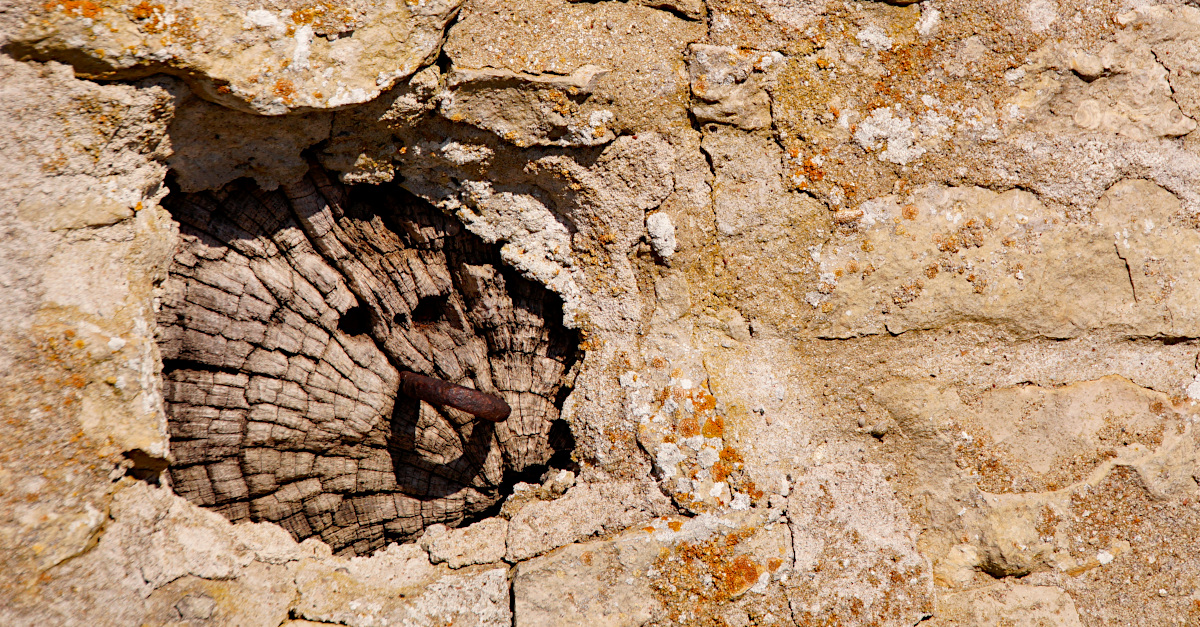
(440, 392)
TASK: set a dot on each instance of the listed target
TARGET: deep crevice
(172, 365)
(144, 466)
(356, 321)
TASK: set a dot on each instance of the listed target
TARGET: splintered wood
(285, 321)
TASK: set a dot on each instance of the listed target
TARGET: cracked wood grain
(286, 323)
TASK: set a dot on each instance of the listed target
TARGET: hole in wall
(144, 466)
(283, 354)
(429, 310)
(356, 321)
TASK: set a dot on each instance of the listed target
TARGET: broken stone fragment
(585, 510)
(662, 234)
(731, 84)
(480, 543)
(528, 109)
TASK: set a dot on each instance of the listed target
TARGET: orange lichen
(150, 16)
(700, 579)
(75, 8)
(714, 427)
(689, 426)
(285, 89)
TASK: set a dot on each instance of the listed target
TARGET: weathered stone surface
(158, 550)
(542, 526)
(670, 572)
(1021, 480)
(731, 85)
(642, 50)
(1011, 604)
(856, 552)
(940, 256)
(739, 245)
(399, 586)
(1063, 435)
(480, 543)
(293, 56)
(686, 436)
(530, 109)
(163, 561)
(82, 244)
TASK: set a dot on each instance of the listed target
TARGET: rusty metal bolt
(438, 392)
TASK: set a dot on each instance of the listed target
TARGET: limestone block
(479, 543)
(399, 585)
(292, 57)
(569, 587)
(156, 551)
(672, 570)
(260, 597)
(82, 245)
(731, 84)
(585, 510)
(111, 161)
(856, 554)
(1138, 86)
(1172, 33)
(163, 561)
(749, 191)
(1009, 472)
(1008, 604)
(1060, 435)
(945, 255)
(527, 109)
(641, 48)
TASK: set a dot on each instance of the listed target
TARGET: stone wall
(888, 311)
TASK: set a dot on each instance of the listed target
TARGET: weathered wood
(286, 320)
